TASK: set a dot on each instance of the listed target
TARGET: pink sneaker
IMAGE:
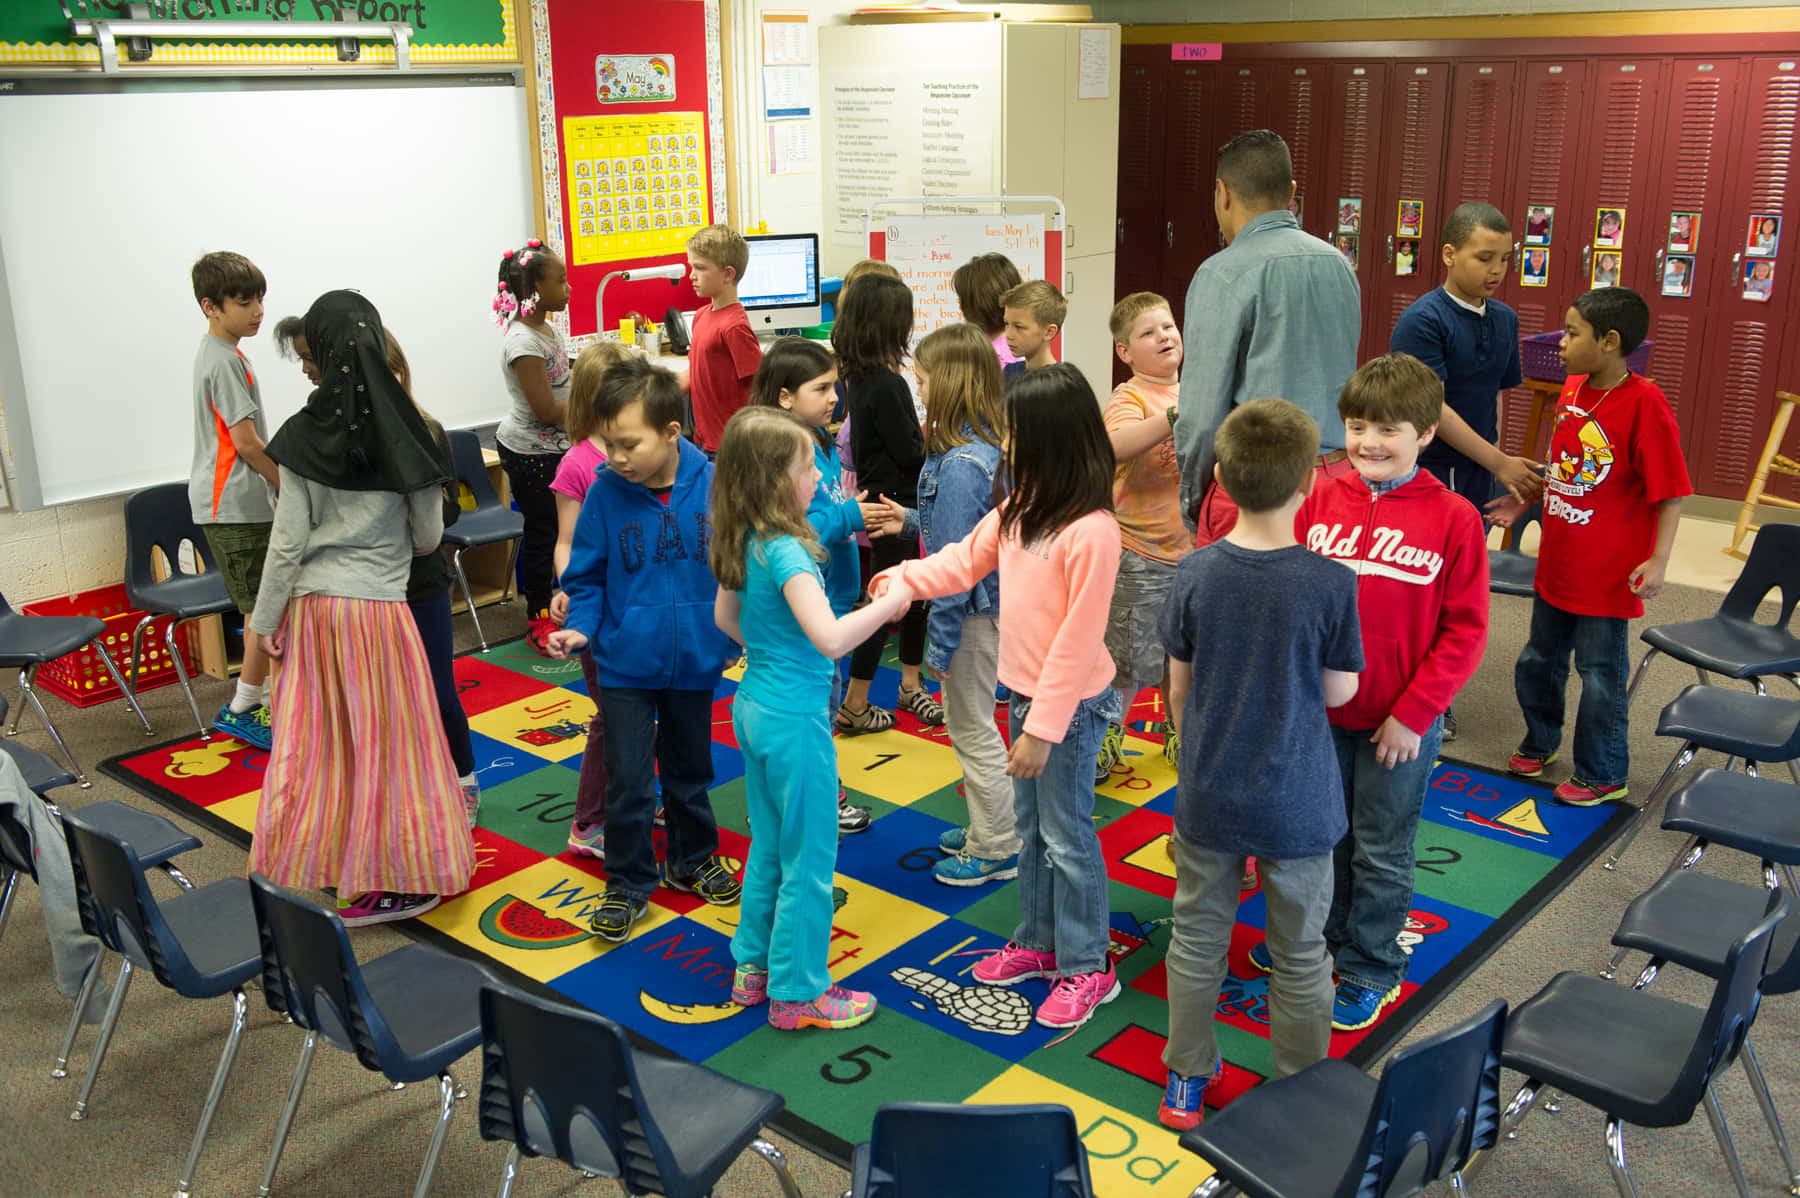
(1013, 964)
(1073, 999)
(836, 1008)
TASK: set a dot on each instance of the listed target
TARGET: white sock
(247, 698)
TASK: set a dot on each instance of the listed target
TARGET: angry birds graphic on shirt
(1580, 473)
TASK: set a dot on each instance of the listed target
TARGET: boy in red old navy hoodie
(1420, 555)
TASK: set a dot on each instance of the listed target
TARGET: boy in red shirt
(724, 355)
(1419, 552)
(1612, 499)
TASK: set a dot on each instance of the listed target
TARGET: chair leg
(180, 879)
(61, 1068)
(1213, 1187)
(1615, 1158)
(1513, 1117)
(1637, 677)
(777, 1161)
(446, 1108)
(1715, 1114)
(1676, 765)
(512, 569)
(509, 1173)
(240, 1007)
(26, 677)
(6, 897)
(119, 681)
(1457, 1187)
(295, 1089)
(462, 580)
(137, 644)
(181, 672)
(1760, 1086)
(106, 1031)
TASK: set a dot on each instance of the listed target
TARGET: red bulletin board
(578, 31)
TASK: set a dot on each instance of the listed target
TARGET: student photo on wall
(1346, 245)
(1537, 224)
(1406, 258)
(1606, 270)
(1412, 219)
(1349, 218)
(1759, 280)
(1678, 275)
(1534, 271)
(1765, 232)
(1684, 230)
(1297, 206)
(1609, 229)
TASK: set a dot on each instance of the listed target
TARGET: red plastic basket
(80, 677)
(1540, 357)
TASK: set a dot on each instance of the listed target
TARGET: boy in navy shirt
(641, 594)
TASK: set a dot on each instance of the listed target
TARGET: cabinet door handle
(1587, 259)
(1169, 234)
(1390, 242)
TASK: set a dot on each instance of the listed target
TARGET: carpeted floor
(355, 1137)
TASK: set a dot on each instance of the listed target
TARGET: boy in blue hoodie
(641, 594)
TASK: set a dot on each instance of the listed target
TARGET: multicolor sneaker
(1576, 793)
(1172, 749)
(1075, 996)
(471, 792)
(383, 906)
(1357, 1006)
(836, 1008)
(1181, 1107)
(851, 818)
(588, 840)
(1251, 879)
(711, 881)
(925, 708)
(1526, 766)
(953, 840)
(537, 631)
(1260, 958)
(254, 727)
(1112, 751)
(750, 986)
(1014, 964)
(613, 918)
(966, 869)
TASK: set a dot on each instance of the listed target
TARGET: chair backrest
(1531, 515)
(561, 1082)
(471, 471)
(1737, 993)
(1438, 1103)
(114, 896)
(921, 1149)
(1774, 562)
(310, 973)
(160, 518)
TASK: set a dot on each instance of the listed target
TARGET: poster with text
(636, 184)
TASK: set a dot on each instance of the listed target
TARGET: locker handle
(1121, 232)
(1736, 259)
(1657, 277)
(1587, 259)
(1169, 234)
(1390, 242)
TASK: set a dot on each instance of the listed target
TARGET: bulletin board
(581, 53)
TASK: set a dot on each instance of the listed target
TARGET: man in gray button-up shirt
(1277, 313)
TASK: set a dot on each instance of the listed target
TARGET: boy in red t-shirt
(725, 354)
(1419, 553)
(1612, 499)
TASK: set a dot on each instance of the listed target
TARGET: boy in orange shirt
(724, 356)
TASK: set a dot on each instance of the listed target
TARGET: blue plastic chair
(161, 518)
(201, 944)
(407, 1015)
(27, 642)
(489, 524)
(1436, 1104)
(41, 772)
(936, 1149)
(561, 1082)
(1512, 571)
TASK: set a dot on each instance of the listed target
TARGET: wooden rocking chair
(1772, 461)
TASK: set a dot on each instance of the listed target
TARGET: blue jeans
(1373, 890)
(652, 734)
(1598, 643)
(1062, 873)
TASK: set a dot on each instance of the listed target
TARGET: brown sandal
(870, 719)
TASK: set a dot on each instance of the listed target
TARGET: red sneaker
(1181, 1107)
(537, 632)
(1576, 793)
(1527, 766)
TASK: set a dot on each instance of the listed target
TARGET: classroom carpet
(1492, 850)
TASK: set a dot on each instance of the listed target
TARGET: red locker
(1746, 340)
(1358, 93)
(1297, 110)
(1411, 172)
(1139, 243)
(1190, 155)
(1616, 170)
(1482, 109)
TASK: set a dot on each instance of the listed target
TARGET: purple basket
(1540, 357)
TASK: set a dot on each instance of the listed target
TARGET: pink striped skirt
(360, 792)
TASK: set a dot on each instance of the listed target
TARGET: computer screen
(780, 288)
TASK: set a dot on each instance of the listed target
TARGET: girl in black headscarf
(360, 793)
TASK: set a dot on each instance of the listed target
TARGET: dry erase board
(926, 250)
(408, 194)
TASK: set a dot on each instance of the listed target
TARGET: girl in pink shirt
(587, 453)
(1056, 545)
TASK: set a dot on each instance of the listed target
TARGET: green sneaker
(1172, 748)
(1112, 751)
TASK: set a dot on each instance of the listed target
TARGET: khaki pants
(969, 718)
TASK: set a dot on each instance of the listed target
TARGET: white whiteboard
(926, 250)
(408, 194)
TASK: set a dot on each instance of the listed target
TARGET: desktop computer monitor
(780, 288)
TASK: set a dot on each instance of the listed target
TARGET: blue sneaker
(253, 727)
(1181, 1105)
(1358, 1006)
(1260, 958)
(953, 840)
(966, 869)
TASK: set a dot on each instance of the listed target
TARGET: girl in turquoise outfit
(772, 601)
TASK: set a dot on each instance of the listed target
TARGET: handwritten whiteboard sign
(926, 250)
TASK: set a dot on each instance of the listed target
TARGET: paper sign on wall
(634, 78)
(636, 184)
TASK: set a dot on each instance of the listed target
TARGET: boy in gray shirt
(231, 485)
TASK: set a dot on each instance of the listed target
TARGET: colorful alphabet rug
(1491, 851)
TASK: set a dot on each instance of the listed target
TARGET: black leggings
(531, 475)
(432, 615)
(884, 553)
